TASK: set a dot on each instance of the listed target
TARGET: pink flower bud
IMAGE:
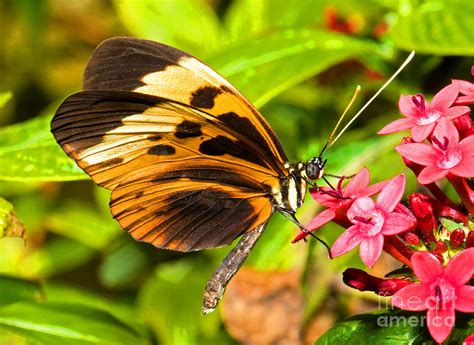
(438, 256)
(456, 238)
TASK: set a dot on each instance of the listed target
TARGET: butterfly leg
(228, 268)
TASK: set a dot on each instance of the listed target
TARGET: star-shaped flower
(446, 154)
(338, 201)
(372, 221)
(421, 116)
(441, 291)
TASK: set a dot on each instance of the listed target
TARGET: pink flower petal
(465, 168)
(446, 128)
(374, 189)
(321, 218)
(470, 339)
(420, 133)
(360, 206)
(440, 323)
(407, 107)
(426, 267)
(396, 223)
(397, 126)
(325, 199)
(465, 87)
(454, 112)
(444, 98)
(465, 299)
(347, 241)
(358, 183)
(370, 249)
(419, 153)
(431, 174)
(413, 297)
(391, 194)
(460, 268)
(467, 146)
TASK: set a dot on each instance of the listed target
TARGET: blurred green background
(78, 279)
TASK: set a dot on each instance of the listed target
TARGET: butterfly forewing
(148, 67)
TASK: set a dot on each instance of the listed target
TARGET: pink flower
(441, 290)
(374, 220)
(338, 201)
(446, 154)
(422, 116)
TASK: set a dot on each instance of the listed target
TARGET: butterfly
(189, 160)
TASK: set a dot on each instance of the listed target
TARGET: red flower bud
(422, 208)
(456, 238)
(363, 281)
(438, 255)
(470, 239)
(441, 246)
(412, 239)
(464, 125)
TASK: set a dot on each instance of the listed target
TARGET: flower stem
(464, 190)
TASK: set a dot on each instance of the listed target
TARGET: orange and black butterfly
(190, 162)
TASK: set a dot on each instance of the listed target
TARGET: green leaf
(4, 98)
(165, 21)
(265, 66)
(170, 301)
(10, 225)
(443, 28)
(68, 221)
(394, 327)
(57, 256)
(64, 294)
(28, 152)
(15, 290)
(49, 323)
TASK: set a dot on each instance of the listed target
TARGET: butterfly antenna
(408, 59)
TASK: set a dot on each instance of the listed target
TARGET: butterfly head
(314, 169)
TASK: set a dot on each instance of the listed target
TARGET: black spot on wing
(204, 97)
(155, 138)
(120, 63)
(188, 129)
(161, 150)
(243, 125)
(222, 145)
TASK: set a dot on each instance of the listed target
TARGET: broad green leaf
(4, 98)
(64, 295)
(394, 327)
(123, 264)
(190, 25)
(10, 225)
(265, 66)
(170, 301)
(68, 221)
(436, 27)
(58, 255)
(50, 323)
(28, 152)
(15, 290)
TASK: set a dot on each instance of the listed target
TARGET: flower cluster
(429, 233)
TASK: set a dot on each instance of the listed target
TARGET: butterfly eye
(312, 170)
